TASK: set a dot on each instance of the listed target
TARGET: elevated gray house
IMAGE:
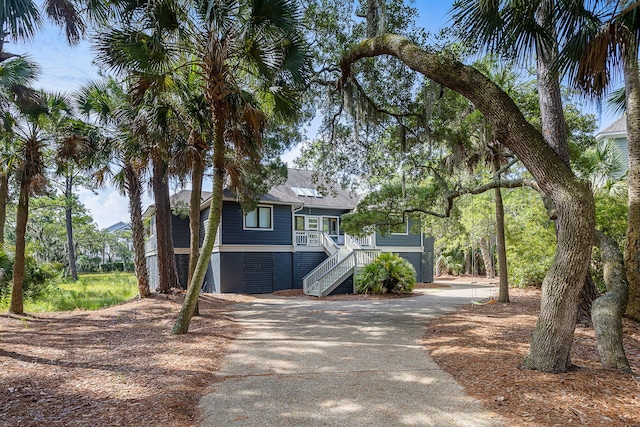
(292, 240)
(617, 133)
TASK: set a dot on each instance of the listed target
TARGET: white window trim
(406, 232)
(337, 218)
(244, 220)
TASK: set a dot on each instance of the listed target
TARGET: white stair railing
(329, 245)
(309, 282)
(335, 269)
(337, 274)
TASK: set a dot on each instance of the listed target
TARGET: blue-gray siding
(182, 265)
(411, 239)
(180, 231)
(304, 262)
(204, 214)
(254, 272)
(345, 287)
(234, 234)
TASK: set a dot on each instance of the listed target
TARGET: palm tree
(522, 30)
(15, 75)
(240, 48)
(262, 54)
(108, 102)
(30, 129)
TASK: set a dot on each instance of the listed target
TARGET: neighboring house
(122, 231)
(292, 240)
(617, 133)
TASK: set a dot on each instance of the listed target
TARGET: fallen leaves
(117, 366)
(483, 347)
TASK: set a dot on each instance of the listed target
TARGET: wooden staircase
(329, 274)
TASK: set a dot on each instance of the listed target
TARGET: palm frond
(21, 18)
(65, 14)
(617, 101)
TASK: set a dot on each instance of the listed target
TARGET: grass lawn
(90, 292)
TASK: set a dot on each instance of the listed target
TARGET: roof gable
(617, 129)
(331, 196)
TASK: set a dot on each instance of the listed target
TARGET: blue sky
(66, 68)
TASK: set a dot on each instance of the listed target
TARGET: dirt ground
(120, 366)
(483, 347)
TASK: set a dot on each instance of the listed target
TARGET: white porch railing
(365, 242)
(330, 246)
(151, 244)
(308, 238)
(366, 256)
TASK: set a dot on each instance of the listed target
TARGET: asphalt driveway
(308, 362)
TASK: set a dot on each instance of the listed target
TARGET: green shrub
(37, 277)
(387, 273)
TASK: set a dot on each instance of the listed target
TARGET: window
(259, 219)
(400, 228)
(299, 223)
(330, 226)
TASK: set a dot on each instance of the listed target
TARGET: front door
(312, 224)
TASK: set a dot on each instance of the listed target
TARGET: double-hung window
(259, 219)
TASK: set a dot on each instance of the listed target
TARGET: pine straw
(483, 347)
(117, 366)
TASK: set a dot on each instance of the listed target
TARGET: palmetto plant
(387, 273)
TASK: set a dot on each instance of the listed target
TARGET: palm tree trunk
(554, 129)
(215, 212)
(166, 257)
(22, 215)
(4, 196)
(71, 250)
(197, 175)
(632, 249)
(134, 188)
(503, 294)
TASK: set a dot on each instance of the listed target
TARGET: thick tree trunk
(487, 259)
(608, 309)
(551, 344)
(168, 277)
(554, 128)
(215, 212)
(4, 197)
(503, 295)
(134, 188)
(68, 217)
(22, 215)
(632, 249)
